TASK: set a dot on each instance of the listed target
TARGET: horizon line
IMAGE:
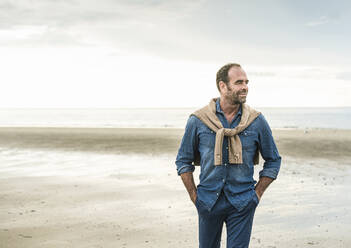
(193, 107)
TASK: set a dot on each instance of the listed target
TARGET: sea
(297, 118)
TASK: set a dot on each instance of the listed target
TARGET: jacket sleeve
(268, 150)
(188, 148)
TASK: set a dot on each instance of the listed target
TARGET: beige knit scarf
(208, 116)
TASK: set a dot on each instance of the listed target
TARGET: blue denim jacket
(236, 180)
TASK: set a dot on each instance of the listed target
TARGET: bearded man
(225, 139)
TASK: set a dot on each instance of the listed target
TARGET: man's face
(236, 90)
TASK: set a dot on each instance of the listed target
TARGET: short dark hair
(222, 74)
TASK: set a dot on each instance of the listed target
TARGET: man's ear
(222, 85)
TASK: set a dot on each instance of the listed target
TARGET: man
(224, 138)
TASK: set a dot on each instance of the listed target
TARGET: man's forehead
(236, 72)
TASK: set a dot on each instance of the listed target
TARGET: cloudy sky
(150, 53)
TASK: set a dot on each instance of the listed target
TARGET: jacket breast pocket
(248, 140)
(207, 138)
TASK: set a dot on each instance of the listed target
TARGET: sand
(89, 187)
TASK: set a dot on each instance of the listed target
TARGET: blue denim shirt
(236, 180)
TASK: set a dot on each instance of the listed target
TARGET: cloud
(198, 30)
(262, 73)
(345, 75)
(21, 32)
(78, 12)
(123, 24)
(322, 20)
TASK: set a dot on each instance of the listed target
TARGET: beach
(118, 187)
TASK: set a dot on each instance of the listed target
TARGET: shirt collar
(219, 110)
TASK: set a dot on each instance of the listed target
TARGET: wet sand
(319, 143)
(76, 187)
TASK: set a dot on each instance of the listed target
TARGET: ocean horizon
(287, 117)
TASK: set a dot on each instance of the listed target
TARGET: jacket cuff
(185, 168)
(271, 173)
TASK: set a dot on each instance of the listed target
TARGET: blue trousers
(239, 224)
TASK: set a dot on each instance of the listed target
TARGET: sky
(150, 53)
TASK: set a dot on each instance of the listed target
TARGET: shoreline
(331, 144)
(164, 127)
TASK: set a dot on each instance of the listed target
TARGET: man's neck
(228, 108)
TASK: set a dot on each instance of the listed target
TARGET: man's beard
(234, 98)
